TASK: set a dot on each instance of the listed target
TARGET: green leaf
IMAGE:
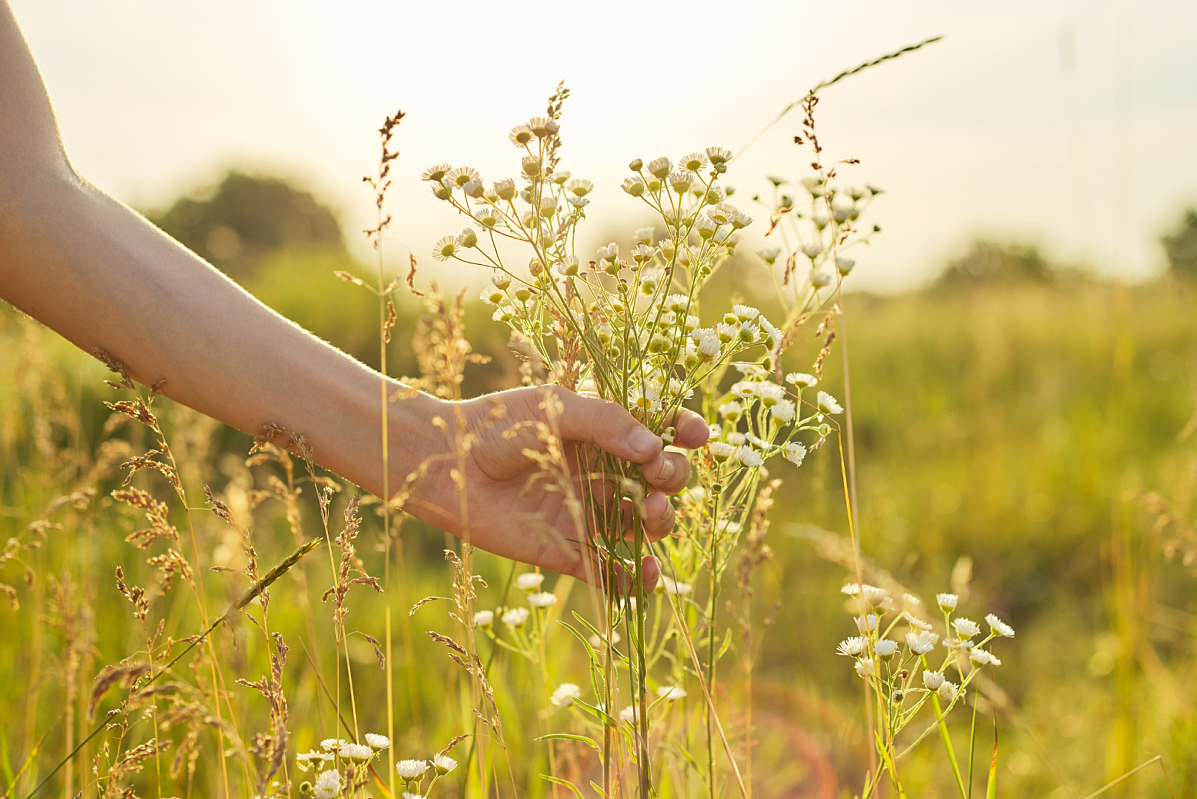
(565, 736)
(566, 783)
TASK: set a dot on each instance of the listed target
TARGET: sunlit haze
(1067, 124)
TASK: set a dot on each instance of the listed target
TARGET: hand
(507, 515)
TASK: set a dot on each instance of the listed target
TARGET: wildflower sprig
(631, 326)
(900, 671)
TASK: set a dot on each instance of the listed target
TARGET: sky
(1070, 125)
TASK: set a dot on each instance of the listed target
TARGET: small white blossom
(745, 313)
(579, 187)
(795, 453)
(443, 764)
(852, 647)
(675, 588)
(356, 752)
(516, 617)
(378, 742)
(596, 642)
(864, 667)
(932, 680)
(333, 744)
(529, 581)
(921, 642)
(445, 248)
(966, 628)
(885, 648)
(911, 600)
(328, 785)
(565, 694)
(801, 380)
(749, 457)
(609, 252)
(983, 658)
(630, 714)
(735, 438)
(731, 411)
(948, 691)
(671, 693)
(874, 595)
(411, 769)
(305, 760)
(867, 623)
(947, 602)
(542, 600)
(721, 450)
(691, 496)
(827, 404)
(768, 254)
(484, 618)
(851, 589)
(999, 627)
(915, 621)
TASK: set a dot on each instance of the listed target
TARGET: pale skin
(99, 274)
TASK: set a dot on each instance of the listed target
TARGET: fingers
(611, 428)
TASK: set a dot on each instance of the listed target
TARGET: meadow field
(1029, 447)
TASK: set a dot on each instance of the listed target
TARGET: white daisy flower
(852, 647)
(932, 680)
(675, 588)
(770, 393)
(844, 265)
(794, 452)
(948, 691)
(660, 167)
(492, 295)
(709, 346)
(596, 642)
(529, 581)
(630, 714)
(443, 764)
(721, 450)
(921, 642)
(745, 389)
(643, 252)
(801, 380)
(999, 627)
(565, 694)
(505, 188)
(671, 693)
(305, 760)
(633, 185)
(915, 621)
(983, 658)
(516, 617)
(885, 648)
(328, 785)
(718, 155)
(333, 744)
(691, 496)
(911, 600)
(521, 135)
(735, 438)
(694, 162)
(378, 742)
(445, 248)
(680, 181)
(867, 623)
(749, 457)
(874, 595)
(542, 600)
(411, 769)
(966, 628)
(768, 254)
(864, 667)
(947, 602)
(731, 411)
(609, 252)
(579, 187)
(356, 752)
(827, 404)
(706, 227)
(436, 174)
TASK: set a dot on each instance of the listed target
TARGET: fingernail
(667, 470)
(667, 512)
(642, 440)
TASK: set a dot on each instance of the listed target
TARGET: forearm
(103, 277)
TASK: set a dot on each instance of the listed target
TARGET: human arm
(99, 274)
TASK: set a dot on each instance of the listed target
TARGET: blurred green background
(1024, 436)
